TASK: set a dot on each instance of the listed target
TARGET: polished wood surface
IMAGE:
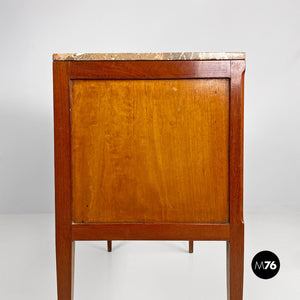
(149, 69)
(235, 246)
(229, 74)
(150, 231)
(150, 150)
(65, 247)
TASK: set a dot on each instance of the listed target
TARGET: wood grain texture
(235, 262)
(117, 126)
(149, 69)
(150, 151)
(65, 247)
(150, 231)
(236, 141)
(235, 247)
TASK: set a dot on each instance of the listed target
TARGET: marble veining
(152, 56)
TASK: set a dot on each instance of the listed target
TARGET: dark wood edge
(191, 246)
(141, 231)
(235, 247)
(149, 69)
(62, 146)
(63, 183)
(236, 141)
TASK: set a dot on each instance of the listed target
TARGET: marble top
(152, 56)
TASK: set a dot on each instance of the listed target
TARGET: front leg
(235, 262)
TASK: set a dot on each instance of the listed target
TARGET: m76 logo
(264, 265)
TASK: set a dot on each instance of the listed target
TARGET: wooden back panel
(150, 151)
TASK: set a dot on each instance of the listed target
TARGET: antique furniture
(149, 146)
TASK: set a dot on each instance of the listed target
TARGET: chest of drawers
(149, 147)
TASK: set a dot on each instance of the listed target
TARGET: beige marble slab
(152, 56)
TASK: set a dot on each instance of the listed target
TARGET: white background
(269, 31)
(31, 31)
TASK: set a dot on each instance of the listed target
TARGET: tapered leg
(191, 246)
(109, 246)
(235, 263)
(65, 251)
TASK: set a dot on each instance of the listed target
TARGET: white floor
(146, 270)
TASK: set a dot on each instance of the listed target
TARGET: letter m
(257, 266)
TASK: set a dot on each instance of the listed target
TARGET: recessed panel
(150, 150)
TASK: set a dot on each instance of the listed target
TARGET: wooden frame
(67, 232)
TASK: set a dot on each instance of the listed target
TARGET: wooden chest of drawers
(149, 147)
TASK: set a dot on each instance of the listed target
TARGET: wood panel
(150, 150)
(149, 69)
(150, 231)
